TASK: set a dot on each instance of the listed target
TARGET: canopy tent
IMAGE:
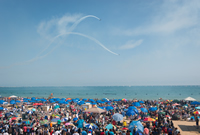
(190, 99)
(95, 110)
(138, 124)
(13, 96)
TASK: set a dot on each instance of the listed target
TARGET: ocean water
(112, 92)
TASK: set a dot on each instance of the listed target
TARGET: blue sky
(158, 42)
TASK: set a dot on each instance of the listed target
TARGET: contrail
(70, 30)
(67, 33)
(80, 34)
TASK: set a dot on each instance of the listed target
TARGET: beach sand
(187, 127)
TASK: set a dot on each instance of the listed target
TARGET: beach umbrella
(195, 103)
(33, 98)
(153, 109)
(33, 109)
(109, 108)
(136, 111)
(55, 119)
(13, 118)
(43, 122)
(144, 110)
(18, 101)
(2, 101)
(69, 100)
(139, 125)
(176, 104)
(52, 101)
(197, 107)
(91, 100)
(91, 125)
(141, 102)
(30, 112)
(196, 112)
(148, 119)
(136, 104)
(110, 126)
(32, 101)
(131, 107)
(69, 124)
(124, 128)
(115, 100)
(117, 117)
(84, 99)
(124, 99)
(64, 119)
(25, 101)
(176, 100)
(162, 113)
(1, 108)
(130, 112)
(43, 100)
(95, 110)
(13, 102)
(56, 107)
(101, 107)
(75, 119)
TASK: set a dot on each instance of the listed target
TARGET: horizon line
(101, 85)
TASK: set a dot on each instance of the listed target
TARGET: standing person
(197, 121)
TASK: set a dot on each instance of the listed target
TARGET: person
(146, 131)
(197, 121)
(124, 123)
(58, 123)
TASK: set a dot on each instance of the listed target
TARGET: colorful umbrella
(148, 119)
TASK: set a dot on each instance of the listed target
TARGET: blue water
(116, 92)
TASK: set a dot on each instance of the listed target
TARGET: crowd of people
(71, 117)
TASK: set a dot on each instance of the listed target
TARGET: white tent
(190, 99)
(13, 96)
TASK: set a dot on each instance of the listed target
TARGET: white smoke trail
(80, 34)
(70, 30)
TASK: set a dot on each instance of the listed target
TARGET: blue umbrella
(144, 110)
(2, 101)
(13, 102)
(84, 99)
(197, 107)
(153, 109)
(109, 108)
(139, 125)
(195, 103)
(32, 101)
(136, 111)
(130, 112)
(1, 108)
(91, 125)
(131, 107)
(142, 102)
(52, 101)
(136, 104)
(115, 100)
(91, 100)
(75, 119)
(109, 126)
(17, 101)
(117, 117)
(102, 107)
(43, 100)
(33, 98)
